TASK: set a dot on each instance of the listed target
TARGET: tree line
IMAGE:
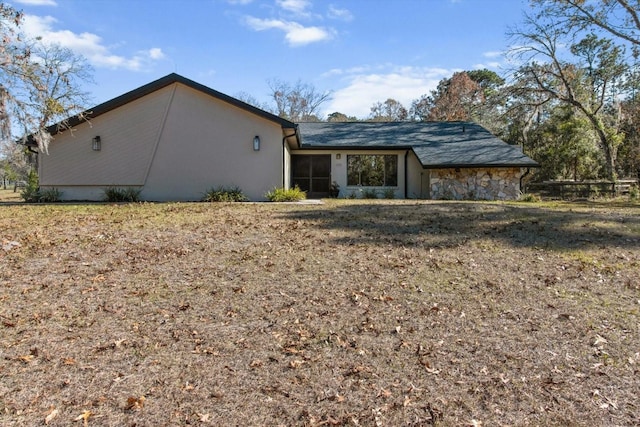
(570, 98)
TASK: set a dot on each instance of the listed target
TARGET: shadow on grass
(450, 224)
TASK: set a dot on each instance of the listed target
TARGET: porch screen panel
(301, 167)
(320, 173)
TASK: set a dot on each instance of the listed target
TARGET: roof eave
(356, 147)
(149, 88)
(480, 165)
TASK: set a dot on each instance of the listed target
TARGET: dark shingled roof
(436, 144)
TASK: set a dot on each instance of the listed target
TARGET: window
(372, 170)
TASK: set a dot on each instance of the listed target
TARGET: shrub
(529, 198)
(634, 193)
(286, 195)
(50, 195)
(334, 191)
(223, 194)
(369, 193)
(389, 193)
(31, 192)
(120, 194)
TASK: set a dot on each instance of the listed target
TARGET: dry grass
(351, 313)
(9, 196)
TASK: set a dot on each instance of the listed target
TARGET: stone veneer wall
(476, 184)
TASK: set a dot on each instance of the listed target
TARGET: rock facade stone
(475, 184)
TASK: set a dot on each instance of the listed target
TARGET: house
(174, 139)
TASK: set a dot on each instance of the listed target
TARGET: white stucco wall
(206, 143)
(174, 143)
(128, 137)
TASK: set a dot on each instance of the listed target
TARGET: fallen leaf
(84, 417)
(52, 414)
(204, 418)
(599, 341)
(295, 364)
(135, 403)
(384, 394)
(26, 358)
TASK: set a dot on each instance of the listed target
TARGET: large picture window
(372, 170)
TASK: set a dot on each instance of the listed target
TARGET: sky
(361, 51)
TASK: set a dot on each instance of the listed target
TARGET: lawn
(370, 313)
(9, 196)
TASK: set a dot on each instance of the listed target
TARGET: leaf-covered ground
(348, 313)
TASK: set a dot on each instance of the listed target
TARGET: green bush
(31, 192)
(223, 194)
(121, 194)
(389, 193)
(634, 193)
(286, 195)
(529, 198)
(50, 195)
(369, 193)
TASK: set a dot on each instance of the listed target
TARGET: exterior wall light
(256, 143)
(96, 143)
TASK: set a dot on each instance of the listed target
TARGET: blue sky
(363, 51)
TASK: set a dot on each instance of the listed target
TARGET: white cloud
(156, 53)
(336, 13)
(89, 45)
(37, 2)
(296, 6)
(488, 65)
(295, 34)
(363, 89)
(493, 54)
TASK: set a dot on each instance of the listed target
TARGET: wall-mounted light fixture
(256, 143)
(338, 156)
(96, 143)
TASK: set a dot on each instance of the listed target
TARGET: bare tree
(252, 100)
(585, 84)
(298, 102)
(390, 110)
(340, 117)
(620, 18)
(39, 83)
(53, 88)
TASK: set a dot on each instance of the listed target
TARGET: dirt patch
(348, 313)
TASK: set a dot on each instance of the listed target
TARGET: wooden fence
(581, 189)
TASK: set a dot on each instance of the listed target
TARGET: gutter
(406, 174)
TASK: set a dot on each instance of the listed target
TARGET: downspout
(284, 160)
(406, 174)
(284, 155)
(523, 176)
